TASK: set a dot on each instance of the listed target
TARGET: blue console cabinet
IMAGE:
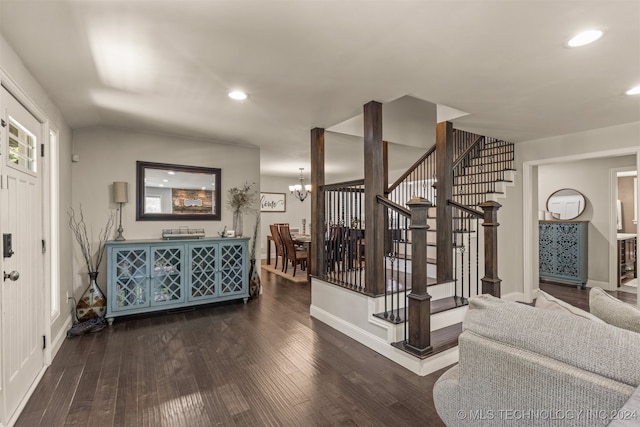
(564, 251)
(154, 275)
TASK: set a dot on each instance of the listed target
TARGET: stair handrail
(394, 206)
(476, 213)
(345, 184)
(411, 168)
(466, 152)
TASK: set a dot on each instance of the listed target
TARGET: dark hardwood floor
(580, 297)
(263, 363)
(266, 363)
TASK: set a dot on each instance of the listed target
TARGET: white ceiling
(167, 65)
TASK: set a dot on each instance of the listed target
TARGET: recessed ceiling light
(238, 95)
(585, 37)
(633, 91)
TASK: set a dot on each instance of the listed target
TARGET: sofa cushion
(549, 302)
(613, 311)
(595, 347)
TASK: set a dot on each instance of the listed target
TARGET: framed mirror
(566, 203)
(166, 192)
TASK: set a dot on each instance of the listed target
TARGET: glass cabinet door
(204, 265)
(132, 279)
(167, 276)
(232, 268)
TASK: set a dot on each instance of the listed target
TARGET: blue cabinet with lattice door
(563, 252)
(154, 275)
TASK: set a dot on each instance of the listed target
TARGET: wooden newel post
(419, 299)
(318, 220)
(491, 281)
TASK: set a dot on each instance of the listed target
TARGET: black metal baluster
(477, 256)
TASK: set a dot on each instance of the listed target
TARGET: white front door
(22, 327)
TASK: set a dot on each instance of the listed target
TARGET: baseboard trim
(56, 343)
(514, 296)
(603, 285)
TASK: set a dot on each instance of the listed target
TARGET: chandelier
(301, 191)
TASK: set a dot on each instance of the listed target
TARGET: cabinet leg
(245, 299)
(110, 321)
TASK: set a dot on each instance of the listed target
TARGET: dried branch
(79, 228)
(255, 237)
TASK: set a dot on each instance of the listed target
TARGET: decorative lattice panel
(203, 271)
(232, 272)
(167, 275)
(131, 283)
(547, 254)
(568, 252)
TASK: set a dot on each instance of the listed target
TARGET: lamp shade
(120, 192)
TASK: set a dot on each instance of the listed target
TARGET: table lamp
(120, 196)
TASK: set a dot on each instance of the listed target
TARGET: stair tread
(480, 182)
(447, 303)
(437, 306)
(481, 173)
(441, 340)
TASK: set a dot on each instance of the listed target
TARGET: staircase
(428, 285)
(482, 171)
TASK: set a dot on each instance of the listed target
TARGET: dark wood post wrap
(318, 221)
(419, 299)
(374, 181)
(444, 187)
(491, 281)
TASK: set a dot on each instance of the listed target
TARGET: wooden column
(444, 192)
(419, 299)
(491, 281)
(318, 221)
(374, 174)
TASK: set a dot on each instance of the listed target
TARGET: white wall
(516, 223)
(109, 154)
(13, 71)
(591, 178)
(295, 209)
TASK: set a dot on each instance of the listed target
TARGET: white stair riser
(404, 265)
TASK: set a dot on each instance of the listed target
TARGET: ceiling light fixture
(584, 38)
(238, 95)
(633, 91)
(301, 191)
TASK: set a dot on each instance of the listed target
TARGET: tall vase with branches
(241, 200)
(92, 303)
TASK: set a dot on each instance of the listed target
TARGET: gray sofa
(521, 365)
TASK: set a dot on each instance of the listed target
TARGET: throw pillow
(613, 311)
(548, 302)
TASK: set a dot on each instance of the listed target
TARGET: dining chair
(336, 247)
(280, 250)
(293, 254)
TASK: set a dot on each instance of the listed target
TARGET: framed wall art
(273, 202)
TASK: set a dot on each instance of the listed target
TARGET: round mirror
(566, 204)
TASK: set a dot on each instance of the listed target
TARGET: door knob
(13, 276)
